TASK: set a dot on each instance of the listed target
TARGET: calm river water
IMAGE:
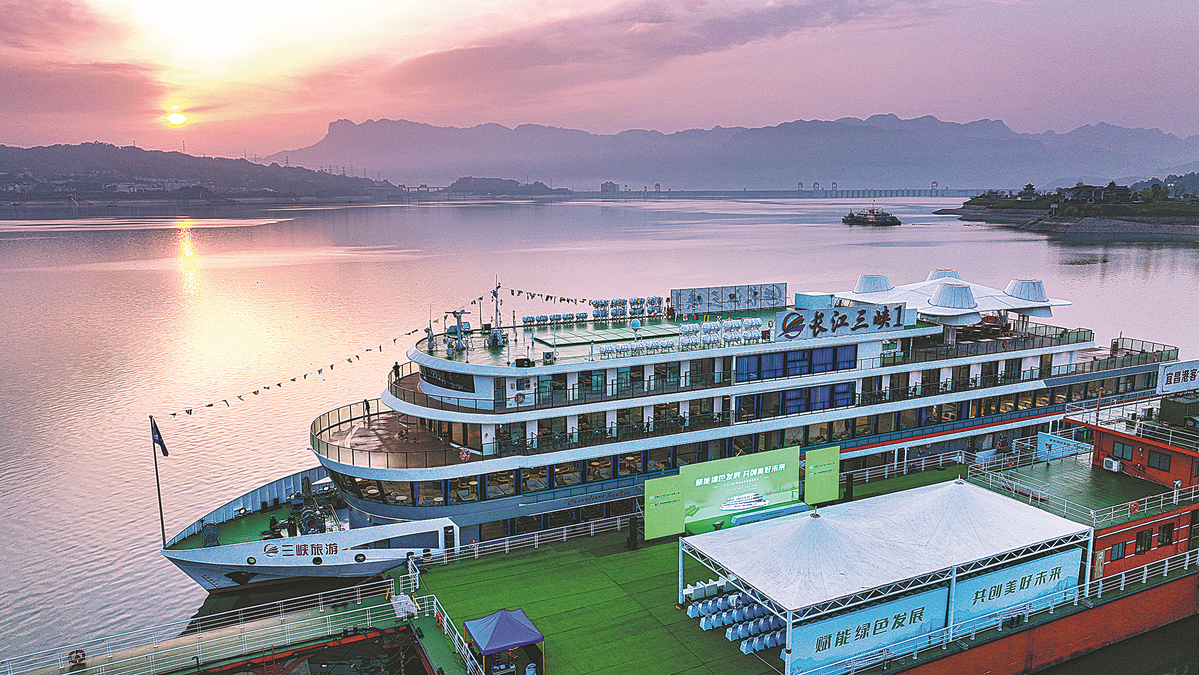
(107, 320)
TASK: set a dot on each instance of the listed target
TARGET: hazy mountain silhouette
(880, 151)
(92, 165)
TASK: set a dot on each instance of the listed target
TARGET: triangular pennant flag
(240, 398)
(347, 361)
(173, 414)
(208, 405)
(279, 385)
(319, 371)
(188, 411)
(266, 387)
(305, 376)
(226, 402)
(255, 392)
(156, 438)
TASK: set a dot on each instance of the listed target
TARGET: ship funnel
(872, 283)
(943, 273)
(1032, 290)
(953, 296)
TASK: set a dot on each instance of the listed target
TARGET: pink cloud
(29, 24)
(93, 88)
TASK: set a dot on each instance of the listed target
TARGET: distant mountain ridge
(882, 151)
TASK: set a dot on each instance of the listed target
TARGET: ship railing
(989, 626)
(1025, 488)
(994, 476)
(430, 606)
(395, 458)
(184, 644)
(1134, 418)
(685, 382)
(537, 539)
(893, 469)
(540, 399)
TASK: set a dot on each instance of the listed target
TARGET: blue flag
(156, 437)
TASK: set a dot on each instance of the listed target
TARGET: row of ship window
(1144, 542)
(498, 485)
(555, 433)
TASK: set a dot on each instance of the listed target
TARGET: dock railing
(992, 625)
(172, 646)
(430, 606)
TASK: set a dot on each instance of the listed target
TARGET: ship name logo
(793, 326)
(270, 550)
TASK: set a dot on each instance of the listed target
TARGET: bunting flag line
(479, 301)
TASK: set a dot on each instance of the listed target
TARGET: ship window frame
(462, 382)
(1122, 451)
(1119, 550)
(1158, 460)
(1165, 534)
(1144, 541)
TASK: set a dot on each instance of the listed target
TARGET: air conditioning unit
(1111, 464)
(1191, 422)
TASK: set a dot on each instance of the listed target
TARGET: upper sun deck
(961, 318)
(582, 340)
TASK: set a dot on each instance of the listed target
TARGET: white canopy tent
(860, 551)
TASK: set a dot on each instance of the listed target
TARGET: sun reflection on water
(189, 259)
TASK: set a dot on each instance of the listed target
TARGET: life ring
(520, 398)
(77, 657)
(1007, 344)
(1134, 507)
(1011, 461)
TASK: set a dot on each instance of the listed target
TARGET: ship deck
(607, 610)
(1074, 488)
(581, 341)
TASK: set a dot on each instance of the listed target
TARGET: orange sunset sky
(259, 76)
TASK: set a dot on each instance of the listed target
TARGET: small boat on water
(870, 216)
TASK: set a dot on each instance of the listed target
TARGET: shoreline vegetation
(1168, 220)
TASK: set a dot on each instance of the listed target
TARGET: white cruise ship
(558, 420)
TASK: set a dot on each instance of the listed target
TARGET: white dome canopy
(953, 296)
(942, 273)
(1032, 290)
(873, 283)
(948, 300)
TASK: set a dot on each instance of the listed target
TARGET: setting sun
(175, 118)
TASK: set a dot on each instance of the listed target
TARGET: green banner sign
(663, 507)
(726, 487)
(822, 479)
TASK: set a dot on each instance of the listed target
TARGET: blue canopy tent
(500, 637)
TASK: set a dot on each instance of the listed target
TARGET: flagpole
(162, 521)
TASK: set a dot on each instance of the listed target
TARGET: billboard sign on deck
(807, 324)
(726, 487)
(1016, 585)
(822, 475)
(1181, 376)
(849, 635)
(663, 506)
